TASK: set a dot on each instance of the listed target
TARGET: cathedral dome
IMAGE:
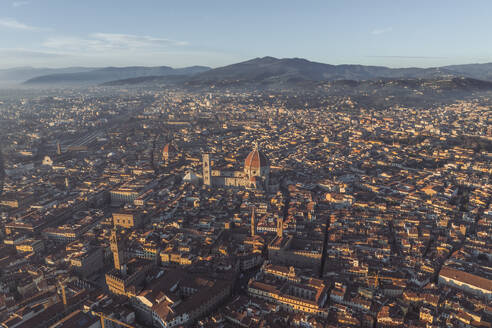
(256, 160)
(168, 152)
(168, 148)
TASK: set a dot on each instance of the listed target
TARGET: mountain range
(265, 72)
(21, 74)
(273, 73)
(106, 74)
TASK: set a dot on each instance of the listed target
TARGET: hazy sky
(397, 33)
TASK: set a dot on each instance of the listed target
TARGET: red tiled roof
(168, 148)
(256, 159)
(467, 278)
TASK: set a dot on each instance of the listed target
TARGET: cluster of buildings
(151, 208)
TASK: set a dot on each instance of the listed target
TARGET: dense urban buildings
(154, 207)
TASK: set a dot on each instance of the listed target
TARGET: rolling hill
(101, 75)
(17, 75)
(269, 72)
(257, 73)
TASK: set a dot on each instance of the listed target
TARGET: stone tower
(117, 249)
(280, 227)
(253, 219)
(207, 174)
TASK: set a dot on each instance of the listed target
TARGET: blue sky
(396, 33)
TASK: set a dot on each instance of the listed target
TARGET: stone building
(255, 173)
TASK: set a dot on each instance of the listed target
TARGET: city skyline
(126, 33)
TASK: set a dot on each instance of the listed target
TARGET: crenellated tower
(117, 248)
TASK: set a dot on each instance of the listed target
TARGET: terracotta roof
(256, 159)
(163, 310)
(467, 278)
(168, 148)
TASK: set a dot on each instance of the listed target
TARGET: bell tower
(207, 177)
(117, 249)
(280, 227)
(253, 219)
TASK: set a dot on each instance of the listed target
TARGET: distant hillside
(406, 92)
(272, 72)
(149, 80)
(21, 74)
(394, 87)
(477, 71)
(258, 73)
(269, 71)
(106, 74)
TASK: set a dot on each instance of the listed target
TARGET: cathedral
(255, 175)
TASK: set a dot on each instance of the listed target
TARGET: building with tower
(256, 241)
(255, 173)
(291, 250)
(117, 246)
(127, 273)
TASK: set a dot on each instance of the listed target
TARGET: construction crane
(61, 284)
(105, 317)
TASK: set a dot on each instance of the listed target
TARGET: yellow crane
(61, 284)
(105, 317)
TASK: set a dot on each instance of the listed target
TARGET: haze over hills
(21, 74)
(478, 71)
(106, 74)
(372, 86)
(269, 69)
(266, 72)
(273, 72)
(416, 93)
